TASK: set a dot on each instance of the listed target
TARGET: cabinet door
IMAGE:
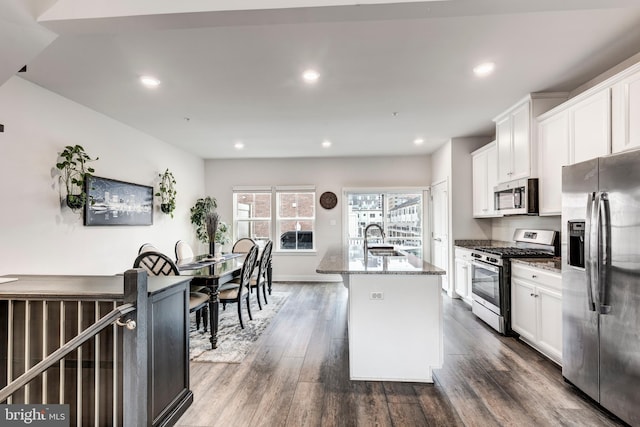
(523, 308)
(480, 174)
(462, 277)
(553, 146)
(492, 178)
(503, 141)
(590, 124)
(521, 144)
(550, 322)
(625, 113)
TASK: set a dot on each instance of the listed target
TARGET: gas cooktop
(512, 251)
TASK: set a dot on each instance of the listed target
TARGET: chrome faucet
(366, 232)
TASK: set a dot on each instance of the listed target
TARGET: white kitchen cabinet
(516, 137)
(463, 274)
(485, 177)
(590, 127)
(553, 145)
(626, 113)
(575, 131)
(536, 308)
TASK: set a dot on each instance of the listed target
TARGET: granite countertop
(551, 264)
(470, 244)
(352, 260)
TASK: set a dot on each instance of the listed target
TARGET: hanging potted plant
(167, 192)
(73, 172)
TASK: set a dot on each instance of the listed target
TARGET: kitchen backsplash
(503, 228)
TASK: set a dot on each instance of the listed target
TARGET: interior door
(440, 235)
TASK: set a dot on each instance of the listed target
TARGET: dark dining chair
(240, 291)
(158, 264)
(147, 247)
(243, 245)
(183, 250)
(260, 279)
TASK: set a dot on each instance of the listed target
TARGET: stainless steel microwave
(517, 197)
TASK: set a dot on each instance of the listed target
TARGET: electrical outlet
(376, 295)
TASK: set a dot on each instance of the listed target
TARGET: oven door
(485, 283)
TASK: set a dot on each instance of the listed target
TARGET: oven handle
(485, 265)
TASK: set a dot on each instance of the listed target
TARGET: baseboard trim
(308, 278)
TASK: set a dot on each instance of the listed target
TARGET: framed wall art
(113, 202)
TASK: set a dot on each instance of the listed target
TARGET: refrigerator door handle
(589, 240)
(604, 250)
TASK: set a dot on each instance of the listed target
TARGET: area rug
(234, 342)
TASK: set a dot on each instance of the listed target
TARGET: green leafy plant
(72, 163)
(222, 234)
(167, 192)
(199, 211)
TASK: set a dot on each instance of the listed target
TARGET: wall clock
(328, 200)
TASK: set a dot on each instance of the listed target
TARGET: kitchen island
(395, 313)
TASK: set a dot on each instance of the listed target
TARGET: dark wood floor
(298, 375)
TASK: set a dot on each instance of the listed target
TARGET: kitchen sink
(384, 251)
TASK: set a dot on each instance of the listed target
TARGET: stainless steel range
(491, 274)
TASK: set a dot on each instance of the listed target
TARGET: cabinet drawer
(463, 253)
(537, 275)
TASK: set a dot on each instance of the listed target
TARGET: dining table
(212, 272)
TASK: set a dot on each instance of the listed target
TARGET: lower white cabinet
(536, 308)
(463, 274)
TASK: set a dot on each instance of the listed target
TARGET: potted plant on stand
(199, 212)
(167, 192)
(74, 171)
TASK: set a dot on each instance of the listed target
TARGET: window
(296, 219)
(252, 216)
(293, 224)
(400, 214)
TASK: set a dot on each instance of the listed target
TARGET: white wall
(37, 234)
(503, 228)
(327, 174)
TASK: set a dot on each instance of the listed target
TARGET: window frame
(275, 219)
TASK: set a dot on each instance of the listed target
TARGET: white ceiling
(231, 76)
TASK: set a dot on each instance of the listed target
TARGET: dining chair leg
(264, 292)
(197, 320)
(248, 307)
(240, 314)
(258, 297)
(205, 318)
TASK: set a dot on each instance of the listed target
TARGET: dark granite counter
(470, 244)
(352, 260)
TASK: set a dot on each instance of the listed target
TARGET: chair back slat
(265, 258)
(248, 266)
(156, 264)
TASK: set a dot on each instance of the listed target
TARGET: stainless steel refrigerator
(601, 281)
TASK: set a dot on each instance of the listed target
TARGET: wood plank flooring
(298, 375)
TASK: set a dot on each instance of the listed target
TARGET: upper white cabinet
(515, 135)
(578, 130)
(626, 112)
(590, 127)
(485, 177)
(553, 145)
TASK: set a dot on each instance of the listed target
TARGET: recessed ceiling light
(326, 143)
(239, 145)
(484, 69)
(418, 141)
(149, 81)
(311, 76)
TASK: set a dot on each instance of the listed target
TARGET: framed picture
(112, 202)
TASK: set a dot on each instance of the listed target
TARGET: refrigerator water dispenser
(576, 243)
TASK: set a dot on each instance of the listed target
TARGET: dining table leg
(214, 304)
